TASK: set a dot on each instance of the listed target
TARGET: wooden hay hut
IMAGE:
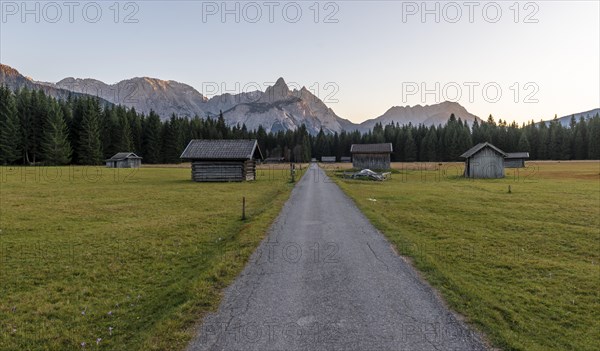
(222, 160)
(515, 159)
(484, 160)
(371, 156)
(345, 159)
(328, 159)
(124, 160)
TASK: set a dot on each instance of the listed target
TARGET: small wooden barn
(222, 160)
(345, 159)
(124, 160)
(515, 159)
(274, 160)
(484, 160)
(371, 156)
(328, 159)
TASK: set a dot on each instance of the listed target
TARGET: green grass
(523, 267)
(134, 258)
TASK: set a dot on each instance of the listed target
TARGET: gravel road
(326, 279)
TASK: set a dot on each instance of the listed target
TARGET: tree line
(38, 129)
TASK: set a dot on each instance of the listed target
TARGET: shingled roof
(472, 151)
(123, 155)
(517, 155)
(383, 148)
(221, 150)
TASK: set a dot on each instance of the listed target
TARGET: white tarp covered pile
(369, 174)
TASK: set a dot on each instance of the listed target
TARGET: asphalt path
(325, 279)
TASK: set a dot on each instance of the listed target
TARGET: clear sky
(360, 57)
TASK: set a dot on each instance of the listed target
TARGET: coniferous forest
(36, 129)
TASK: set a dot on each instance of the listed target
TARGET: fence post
(243, 208)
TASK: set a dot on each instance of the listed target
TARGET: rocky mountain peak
(277, 92)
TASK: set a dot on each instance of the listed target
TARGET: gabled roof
(475, 149)
(517, 155)
(123, 155)
(221, 150)
(382, 148)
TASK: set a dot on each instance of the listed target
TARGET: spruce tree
(410, 148)
(9, 128)
(90, 144)
(56, 147)
(24, 112)
(523, 145)
(171, 146)
(428, 146)
(580, 140)
(151, 138)
(594, 138)
(125, 136)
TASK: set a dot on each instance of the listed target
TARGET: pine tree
(9, 128)
(594, 138)
(136, 130)
(399, 145)
(543, 141)
(151, 138)
(410, 148)
(523, 145)
(24, 112)
(580, 140)
(171, 145)
(429, 146)
(125, 135)
(90, 144)
(110, 132)
(56, 147)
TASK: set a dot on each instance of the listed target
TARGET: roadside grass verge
(523, 267)
(105, 259)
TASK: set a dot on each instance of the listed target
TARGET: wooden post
(509, 191)
(292, 172)
(243, 208)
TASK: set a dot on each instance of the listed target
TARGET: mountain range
(566, 120)
(11, 78)
(277, 108)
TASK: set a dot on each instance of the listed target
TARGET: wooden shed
(222, 160)
(328, 159)
(124, 160)
(371, 156)
(515, 159)
(484, 160)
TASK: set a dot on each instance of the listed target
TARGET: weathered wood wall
(250, 170)
(485, 164)
(371, 161)
(223, 171)
(217, 171)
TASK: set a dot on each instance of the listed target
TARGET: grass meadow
(104, 259)
(523, 267)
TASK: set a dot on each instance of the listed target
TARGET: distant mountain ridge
(566, 120)
(12, 79)
(427, 115)
(276, 109)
